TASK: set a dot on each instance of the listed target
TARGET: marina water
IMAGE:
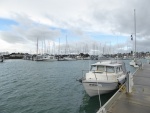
(46, 87)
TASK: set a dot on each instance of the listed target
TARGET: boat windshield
(110, 69)
(100, 68)
(119, 69)
(93, 68)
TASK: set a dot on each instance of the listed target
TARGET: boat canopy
(107, 64)
(108, 67)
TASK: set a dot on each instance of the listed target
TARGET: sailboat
(37, 57)
(47, 57)
(68, 57)
(134, 61)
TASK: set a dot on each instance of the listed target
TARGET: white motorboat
(49, 58)
(133, 63)
(86, 58)
(79, 58)
(37, 57)
(104, 77)
(69, 59)
(82, 58)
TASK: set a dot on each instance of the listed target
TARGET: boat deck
(139, 100)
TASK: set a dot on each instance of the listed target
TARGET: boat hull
(133, 63)
(50, 60)
(91, 88)
(69, 59)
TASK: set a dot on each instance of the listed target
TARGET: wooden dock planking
(139, 100)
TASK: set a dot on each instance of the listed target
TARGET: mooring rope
(98, 90)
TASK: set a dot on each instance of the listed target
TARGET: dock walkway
(139, 100)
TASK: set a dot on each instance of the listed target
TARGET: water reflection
(91, 104)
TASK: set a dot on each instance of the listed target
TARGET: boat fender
(119, 84)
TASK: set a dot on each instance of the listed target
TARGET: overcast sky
(105, 23)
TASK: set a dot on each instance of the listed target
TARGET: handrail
(104, 106)
(108, 103)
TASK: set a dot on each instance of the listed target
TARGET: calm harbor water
(46, 87)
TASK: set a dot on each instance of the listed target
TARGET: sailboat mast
(59, 47)
(66, 46)
(37, 47)
(135, 29)
(42, 47)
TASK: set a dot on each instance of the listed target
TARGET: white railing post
(129, 83)
(102, 110)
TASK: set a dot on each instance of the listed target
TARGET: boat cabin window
(93, 68)
(118, 69)
(51, 57)
(100, 68)
(110, 69)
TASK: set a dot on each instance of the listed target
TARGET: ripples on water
(45, 87)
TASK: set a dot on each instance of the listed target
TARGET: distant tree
(86, 55)
(81, 54)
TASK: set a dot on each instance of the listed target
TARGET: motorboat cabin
(105, 76)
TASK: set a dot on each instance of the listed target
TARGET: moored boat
(69, 59)
(50, 58)
(104, 77)
(37, 57)
(134, 63)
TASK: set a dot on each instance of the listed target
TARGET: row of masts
(81, 48)
(85, 48)
(66, 49)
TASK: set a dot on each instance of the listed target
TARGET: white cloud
(35, 18)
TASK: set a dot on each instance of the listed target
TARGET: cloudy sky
(92, 24)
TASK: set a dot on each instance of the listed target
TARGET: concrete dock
(136, 102)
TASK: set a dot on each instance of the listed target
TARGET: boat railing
(113, 99)
(107, 105)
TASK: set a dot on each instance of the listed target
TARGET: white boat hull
(49, 60)
(122, 79)
(69, 59)
(37, 59)
(133, 63)
(91, 88)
